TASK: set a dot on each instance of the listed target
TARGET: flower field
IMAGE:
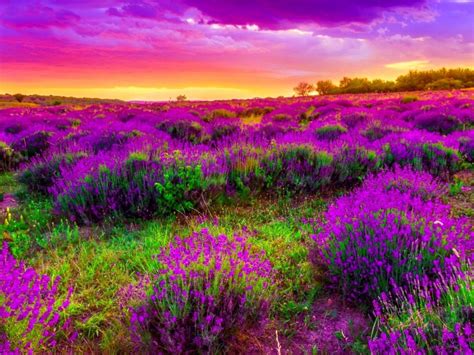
(241, 226)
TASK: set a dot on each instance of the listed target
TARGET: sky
(216, 49)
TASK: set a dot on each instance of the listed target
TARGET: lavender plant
(385, 231)
(32, 312)
(207, 287)
(426, 315)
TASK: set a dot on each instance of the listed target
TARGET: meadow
(326, 224)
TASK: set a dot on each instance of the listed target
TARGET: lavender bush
(31, 311)
(426, 315)
(207, 287)
(386, 231)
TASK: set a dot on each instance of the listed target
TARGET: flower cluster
(206, 288)
(388, 230)
(31, 311)
(426, 315)
(82, 157)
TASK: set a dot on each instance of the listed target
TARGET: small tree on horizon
(19, 97)
(181, 98)
(325, 87)
(303, 89)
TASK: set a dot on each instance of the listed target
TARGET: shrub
(426, 316)
(406, 180)
(40, 175)
(466, 148)
(208, 286)
(108, 141)
(187, 130)
(330, 132)
(176, 187)
(14, 128)
(384, 232)
(31, 311)
(376, 131)
(297, 169)
(33, 144)
(222, 130)
(19, 97)
(432, 157)
(351, 164)
(352, 119)
(435, 121)
(408, 99)
(281, 117)
(256, 111)
(137, 187)
(9, 159)
(218, 113)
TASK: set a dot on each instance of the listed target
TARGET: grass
(8, 184)
(99, 261)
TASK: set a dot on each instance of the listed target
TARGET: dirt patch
(462, 201)
(331, 328)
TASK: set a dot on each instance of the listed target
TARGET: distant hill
(20, 100)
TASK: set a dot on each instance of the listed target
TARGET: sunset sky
(155, 50)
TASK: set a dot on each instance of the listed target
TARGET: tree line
(441, 79)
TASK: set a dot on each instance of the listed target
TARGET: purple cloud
(37, 16)
(279, 14)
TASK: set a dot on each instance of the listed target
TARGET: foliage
(303, 89)
(31, 309)
(441, 79)
(386, 231)
(207, 287)
(426, 316)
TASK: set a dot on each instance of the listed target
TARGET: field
(331, 224)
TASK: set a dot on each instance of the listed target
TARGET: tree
(445, 84)
(354, 85)
(19, 97)
(325, 87)
(181, 98)
(303, 89)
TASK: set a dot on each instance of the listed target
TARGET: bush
(40, 175)
(466, 148)
(222, 130)
(426, 316)
(135, 188)
(281, 117)
(297, 169)
(384, 232)
(376, 131)
(352, 119)
(9, 159)
(408, 99)
(405, 180)
(218, 113)
(432, 157)
(32, 311)
(108, 141)
(187, 130)
(351, 164)
(33, 144)
(14, 128)
(435, 121)
(330, 132)
(208, 287)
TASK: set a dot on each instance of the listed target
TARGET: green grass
(8, 184)
(99, 261)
